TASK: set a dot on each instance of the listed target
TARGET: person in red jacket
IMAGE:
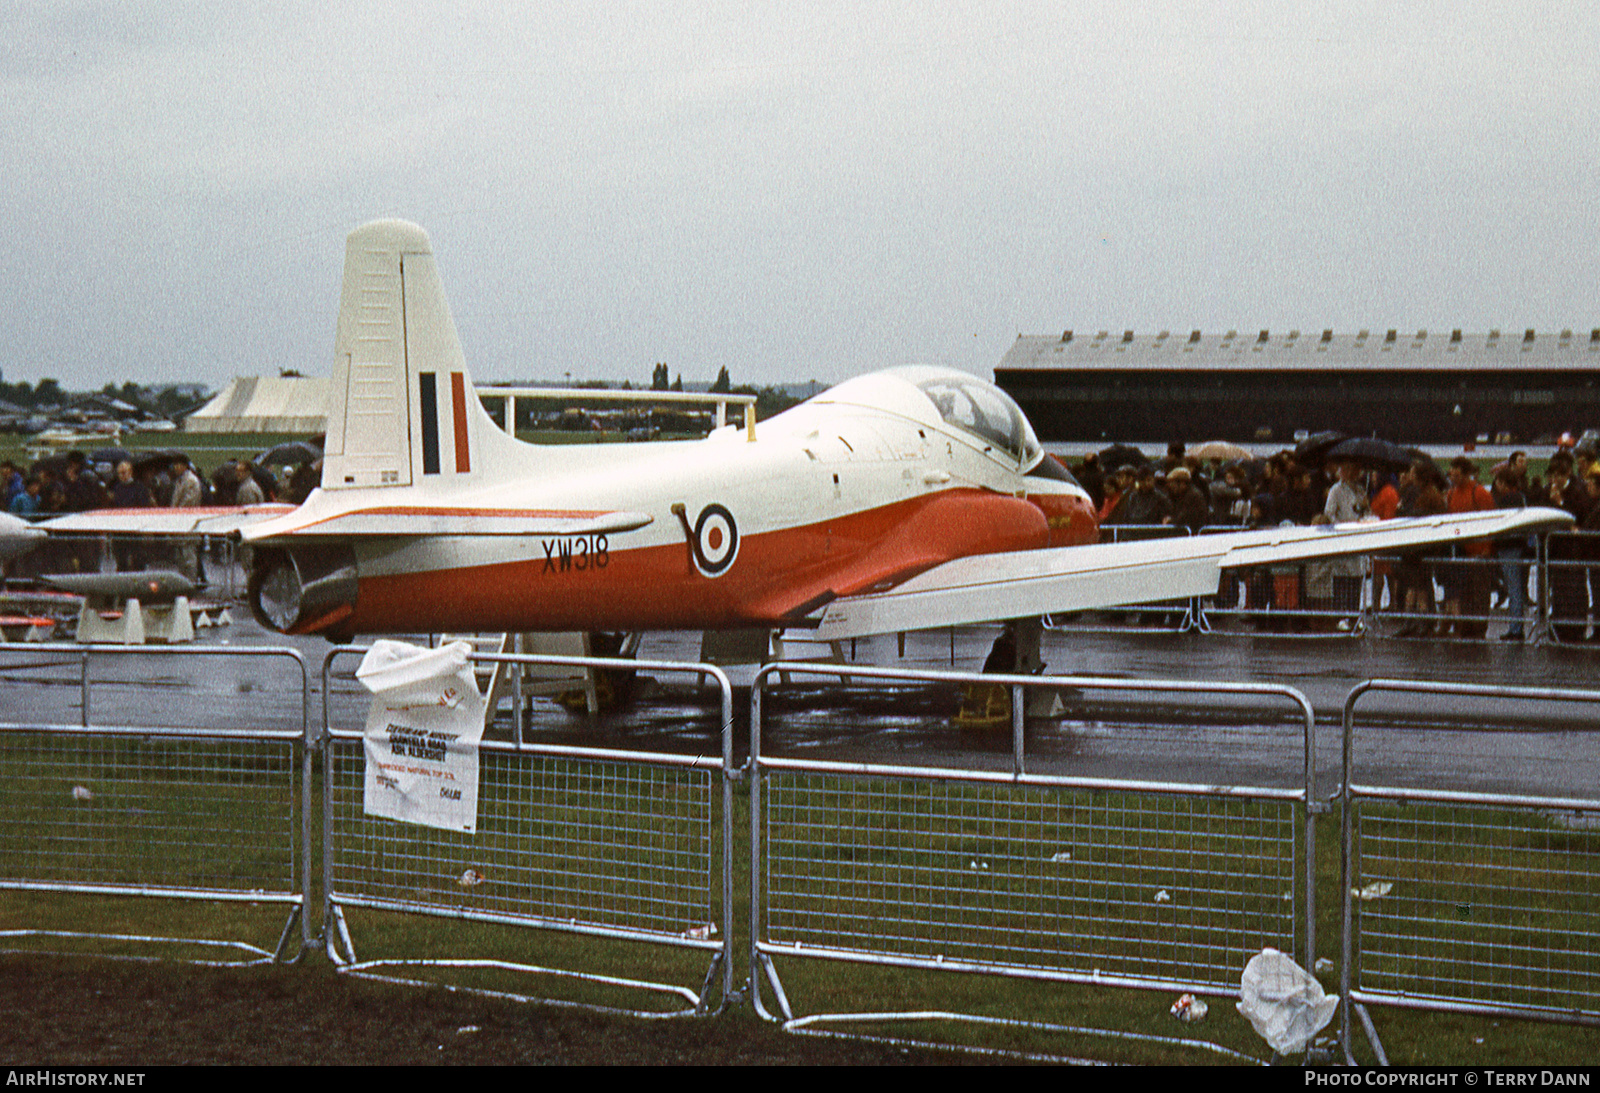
(1385, 503)
(1466, 595)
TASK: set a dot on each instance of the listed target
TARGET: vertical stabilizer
(403, 410)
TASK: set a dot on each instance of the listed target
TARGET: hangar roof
(1380, 350)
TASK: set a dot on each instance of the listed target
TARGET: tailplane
(403, 411)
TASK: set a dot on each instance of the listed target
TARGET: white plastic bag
(423, 730)
(1284, 1002)
(390, 666)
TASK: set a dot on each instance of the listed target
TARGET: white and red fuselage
(430, 518)
(875, 481)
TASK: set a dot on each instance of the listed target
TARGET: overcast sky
(792, 191)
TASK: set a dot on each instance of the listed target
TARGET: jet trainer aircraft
(911, 498)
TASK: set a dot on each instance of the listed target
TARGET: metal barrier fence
(1473, 893)
(1117, 882)
(1177, 615)
(112, 808)
(1473, 902)
(599, 842)
(1419, 594)
(1446, 595)
(1297, 597)
(1421, 597)
(1571, 559)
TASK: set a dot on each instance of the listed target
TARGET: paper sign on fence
(423, 731)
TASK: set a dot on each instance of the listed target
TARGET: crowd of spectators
(67, 484)
(71, 483)
(1439, 591)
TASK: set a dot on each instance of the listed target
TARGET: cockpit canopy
(980, 409)
(962, 402)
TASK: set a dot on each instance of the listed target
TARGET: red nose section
(1071, 518)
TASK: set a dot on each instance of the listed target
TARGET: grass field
(208, 450)
(855, 861)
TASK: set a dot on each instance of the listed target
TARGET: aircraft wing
(1019, 584)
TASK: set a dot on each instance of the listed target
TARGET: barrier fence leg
(1542, 634)
(288, 932)
(709, 985)
(1372, 1034)
(785, 1011)
(341, 950)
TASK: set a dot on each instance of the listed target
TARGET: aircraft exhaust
(303, 590)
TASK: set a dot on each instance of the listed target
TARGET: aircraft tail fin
(403, 410)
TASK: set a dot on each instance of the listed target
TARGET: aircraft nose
(17, 536)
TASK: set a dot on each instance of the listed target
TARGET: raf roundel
(716, 540)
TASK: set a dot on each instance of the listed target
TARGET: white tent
(265, 404)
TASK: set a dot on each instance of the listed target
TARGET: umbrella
(1220, 449)
(158, 457)
(112, 456)
(290, 453)
(1311, 449)
(266, 480)
(56, 464)
(1371, 452)
(1122, 455)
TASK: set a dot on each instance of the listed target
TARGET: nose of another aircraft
(17, 536)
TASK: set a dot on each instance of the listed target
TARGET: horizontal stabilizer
(1026, 583)
(219, 520)
(393, 522)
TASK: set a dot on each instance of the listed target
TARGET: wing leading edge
(987, 587)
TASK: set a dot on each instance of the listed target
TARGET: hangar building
(1417, 388)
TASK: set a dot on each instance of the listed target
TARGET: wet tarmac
(1469, 743)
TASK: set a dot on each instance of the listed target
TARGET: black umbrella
(266, 480)
(1122, 455)
(1371, 452)
(291, 453)
(224, 483)
(160, 458)
(1313, 448)
(112, 456)
(56, 464)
